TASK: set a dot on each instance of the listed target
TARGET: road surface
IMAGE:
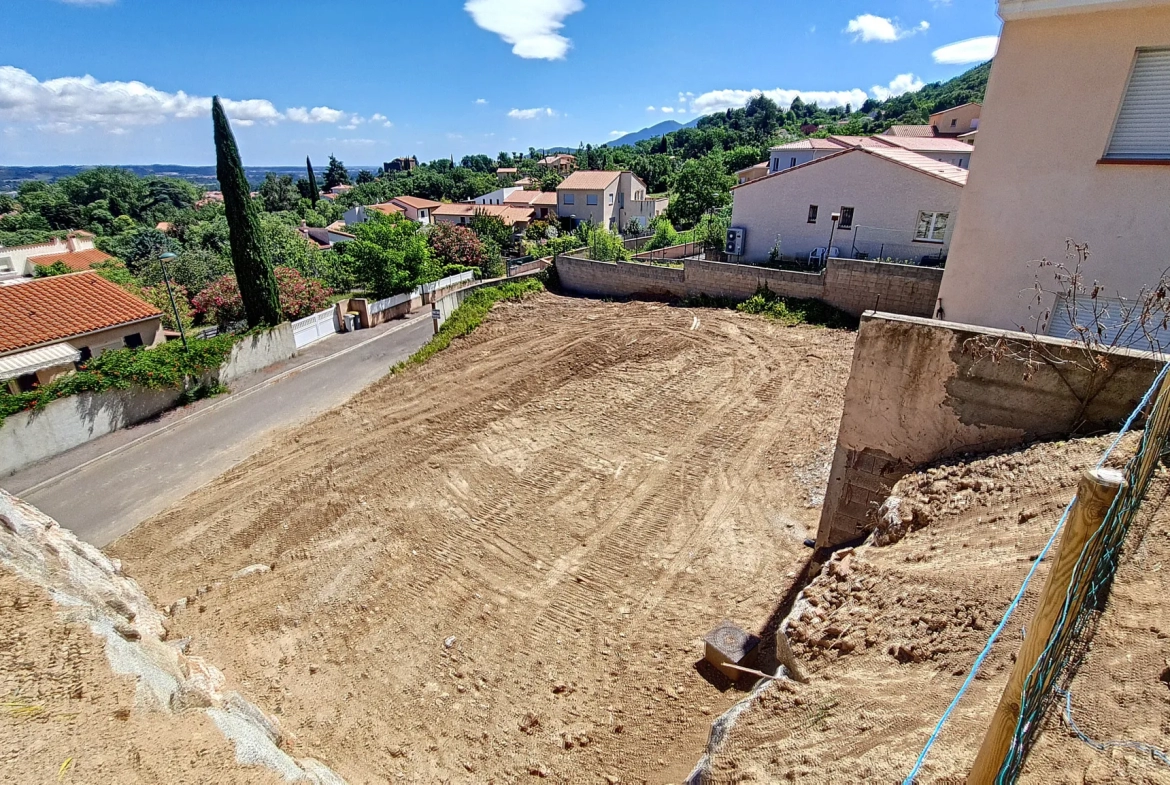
(105, 488)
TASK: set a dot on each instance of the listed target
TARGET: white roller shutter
(1143, 125)
(1119, 331)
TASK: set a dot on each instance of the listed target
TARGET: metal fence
(879, 244)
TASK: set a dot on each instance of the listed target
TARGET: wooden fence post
(1098, 488)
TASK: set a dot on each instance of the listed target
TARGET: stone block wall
(619, 279)
(857, 286)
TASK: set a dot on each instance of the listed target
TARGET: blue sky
(128, 81)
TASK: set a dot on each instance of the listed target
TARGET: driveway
(105, 488)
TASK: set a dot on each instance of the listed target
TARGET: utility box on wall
(736, 236)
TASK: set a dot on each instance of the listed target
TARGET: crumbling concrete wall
(918, 393)
(92, 588)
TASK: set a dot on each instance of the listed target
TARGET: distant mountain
(12, 176)
(654, 131)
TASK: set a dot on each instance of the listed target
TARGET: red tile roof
(77, 260)
(588, 181)
(907, 158)
(416, 202)
(921, 131)
(388, 208)
(60, 307)
(811, 144)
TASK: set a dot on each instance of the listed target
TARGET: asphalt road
(105, 488)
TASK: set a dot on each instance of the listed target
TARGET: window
(27, 382)
(932, 227)
(775, 164)
(611, 200)
(1142, 130)
(793, 162)
(812, 213)
(569, 199)
(954, 122)
(846, 218)
(591, 199)
(133, 341)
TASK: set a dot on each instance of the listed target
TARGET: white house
(607, 199)
(891, 203)
(786, 156)
(498, 196)
(21, 260)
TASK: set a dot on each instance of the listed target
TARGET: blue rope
(1141, 407)
(986, 649)
(1102, 746)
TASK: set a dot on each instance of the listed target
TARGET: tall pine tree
(254, 273)
(314, 193)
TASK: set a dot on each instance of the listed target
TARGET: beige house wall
(1026, 194)
(99, 342)
(883, 194)
(966, 119)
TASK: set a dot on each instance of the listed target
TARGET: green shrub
(793, 310)
(470, 315)
(163, 367)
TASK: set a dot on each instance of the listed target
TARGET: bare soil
(888, 632)
(500, 565)
(66, 717)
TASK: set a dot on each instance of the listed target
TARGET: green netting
(1091, 581)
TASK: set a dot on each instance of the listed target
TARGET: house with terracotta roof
(947, 150)
(752, 173)
(460, 214)
(543, 204)
(323, 239)
(415, 208)
(562, 163)
(960, 122)
(606, 199)
(786, 156)
(76, 250)
(497, 196)
(507, 173)
(864, 201)
(52, 324)
(361, 213)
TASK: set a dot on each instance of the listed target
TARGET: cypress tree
(254, 273)
(314, 193)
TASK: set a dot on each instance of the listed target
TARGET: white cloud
(381, 118)
(531, 26)
(972, 50)
(616, 134)
(869, 27)
(318, 114)
(481, 101)
(532, 114)
(649, 108)
(719, 100)
(70, 103)
(902, 83)
(668, 110)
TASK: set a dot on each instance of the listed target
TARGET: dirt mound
(501, 565)
(887, 633)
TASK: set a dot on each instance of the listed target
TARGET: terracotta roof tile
(811, 144)
(388, 208)
(416, 202)
(928, 145)
(57, 308)
(921, 131)
(588, 181)
(77, 260)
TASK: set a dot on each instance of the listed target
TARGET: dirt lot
(501, 564)
(890, 631)
(66, 717)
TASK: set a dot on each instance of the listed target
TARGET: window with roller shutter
(1142, 129)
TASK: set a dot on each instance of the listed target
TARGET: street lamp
(162, 260)
(835, 218)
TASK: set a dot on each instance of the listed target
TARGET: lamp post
(835, 218)
(162, 261)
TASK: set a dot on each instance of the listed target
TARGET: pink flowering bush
(221, 303)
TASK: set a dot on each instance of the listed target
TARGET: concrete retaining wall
(28, 437)
(917, 394)
(258, 351)
(853, 286)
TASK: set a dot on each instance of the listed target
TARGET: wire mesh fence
(1089, 587)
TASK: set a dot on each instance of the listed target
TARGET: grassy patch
(786, 310)
(163, 367)
(470, 315)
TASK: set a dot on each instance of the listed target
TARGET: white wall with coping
(28, 437)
